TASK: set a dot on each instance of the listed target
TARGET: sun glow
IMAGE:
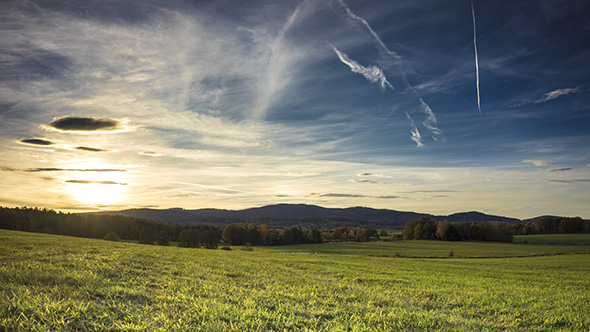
(96, 187)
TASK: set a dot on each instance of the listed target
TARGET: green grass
(59, 283)
(560, 239)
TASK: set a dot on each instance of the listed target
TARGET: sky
(413, 105)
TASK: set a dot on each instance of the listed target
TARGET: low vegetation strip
(59, 283)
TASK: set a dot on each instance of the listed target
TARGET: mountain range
(308, 216)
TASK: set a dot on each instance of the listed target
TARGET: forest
(114, 227)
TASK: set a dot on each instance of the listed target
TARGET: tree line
(110, 227)
(113, 227)
(425, 229)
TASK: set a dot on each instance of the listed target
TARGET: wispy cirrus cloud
(375, 36)
(373, 74)
(538, 162)
(550, 96)
(416, 137)
(339, 195)
(376, 175)
(150, 154)
(55, 169)
(95, 182)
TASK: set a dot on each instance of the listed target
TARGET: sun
(90, 193)
(94, 186)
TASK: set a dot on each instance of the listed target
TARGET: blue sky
(234, 104)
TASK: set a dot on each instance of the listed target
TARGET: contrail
(373, 74)
(476, 59)
(366, 24)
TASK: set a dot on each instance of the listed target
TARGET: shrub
(112, 236)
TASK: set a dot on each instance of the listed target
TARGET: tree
(447, 231)
(209, 239)
(572, 225)
(163, 238)
(189, 238)
(147, 235)
(112, 236)
(315, 236)
(293, 235)
(253, 236)
(420, 229)
(234, 235)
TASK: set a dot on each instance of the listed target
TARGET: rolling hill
(311, 216)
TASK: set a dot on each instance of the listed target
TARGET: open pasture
(62, 283)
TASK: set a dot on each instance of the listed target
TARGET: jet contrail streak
(366, 24)
(476, 59)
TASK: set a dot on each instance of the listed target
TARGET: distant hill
(310, 216)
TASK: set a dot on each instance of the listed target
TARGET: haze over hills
(286, 215)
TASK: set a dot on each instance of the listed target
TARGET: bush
(147, 236)
(112, 236)
(247, 247)
(163, 238)
(226, 248)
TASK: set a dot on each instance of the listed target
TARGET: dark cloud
(570, 181)
(95, 182)
(84, 148)
(50, 169)
(564, 169)
(74, 124)
(429, 191)
(337, 195)
(36, 141)
(369, 181)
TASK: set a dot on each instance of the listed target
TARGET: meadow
(60, 283)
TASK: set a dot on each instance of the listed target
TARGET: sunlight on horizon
(96, 187)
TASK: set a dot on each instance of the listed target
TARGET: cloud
(476, 58)
(429, 191)
(337, 195)
(416, 137)
(371, 31)
(377, 175)
(84, 148)
(363, 181)
(373, 74)
(150, 154)
(74, 170)
(213, 188)
(564, 169)
(36, 141)
(570, 181)
(68, 124)
(556, 94)
(95, 182)
(538, 162)
(549, 96)
(297, 174)
(430, 122)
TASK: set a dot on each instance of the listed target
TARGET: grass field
(57, 283)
